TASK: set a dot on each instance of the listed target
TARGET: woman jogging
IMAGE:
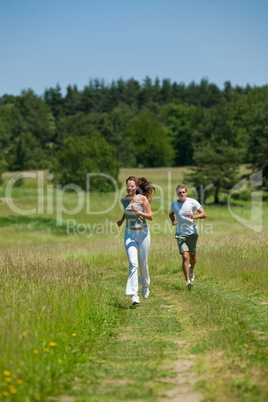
(137, 236)
(182, 215)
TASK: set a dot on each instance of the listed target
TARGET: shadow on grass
(120, 306)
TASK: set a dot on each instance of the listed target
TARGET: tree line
(131, 124)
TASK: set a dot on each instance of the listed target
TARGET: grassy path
(209, 344)
(145, 354)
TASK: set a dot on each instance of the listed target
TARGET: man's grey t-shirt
(185, 225)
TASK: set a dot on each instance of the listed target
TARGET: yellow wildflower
(35, 351)
(8, 379)
(5, 393)
(12, 389)
(52, 344)
(30, 309)
(59, 360)
(74, 334)
(19, 381)
(46, 350)
(24, 334)
(7, 373)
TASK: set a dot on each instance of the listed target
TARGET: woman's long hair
(144, 187)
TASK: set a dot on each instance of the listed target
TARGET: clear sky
(67, 42)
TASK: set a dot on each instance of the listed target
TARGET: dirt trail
(186, 378)
(184, 382)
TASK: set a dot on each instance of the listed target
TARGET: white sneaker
(191, 274)
(189, 285)
(135, 300)
(145, 292)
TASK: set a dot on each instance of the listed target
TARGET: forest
(131, 124)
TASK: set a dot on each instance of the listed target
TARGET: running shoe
(145, 292)
(191, 273)
(135, 300)
(189, 285)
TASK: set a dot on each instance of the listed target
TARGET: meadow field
(68, 332)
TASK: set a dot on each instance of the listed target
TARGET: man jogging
(182, 215)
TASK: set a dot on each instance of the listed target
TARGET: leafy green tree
(157, 91)
(217, 163)
(166, 91)
(132, 93)
(54, 99)
(258, 141)
(119, 123)
(228, 90)
(81, 155)
(72, 101)
(79, 124)
(208, 94)
(5, 126)
(112, 127)
(152, 144)
(12, 123)
(179, 119)
(3, 166)
(146, 95)
(87, 100)
(37, 117)
(28, 129)
(26, 153)
(100, 95)
(203, 94)
(222, 122)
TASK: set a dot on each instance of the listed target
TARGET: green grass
(48, 297)
(33, 224)
(69, 290)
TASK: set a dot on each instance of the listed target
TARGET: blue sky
(67, 42)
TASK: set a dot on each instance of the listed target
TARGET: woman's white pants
(137, 244)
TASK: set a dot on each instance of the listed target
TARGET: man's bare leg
(192, 260)
(185, 264)
(191, 267)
